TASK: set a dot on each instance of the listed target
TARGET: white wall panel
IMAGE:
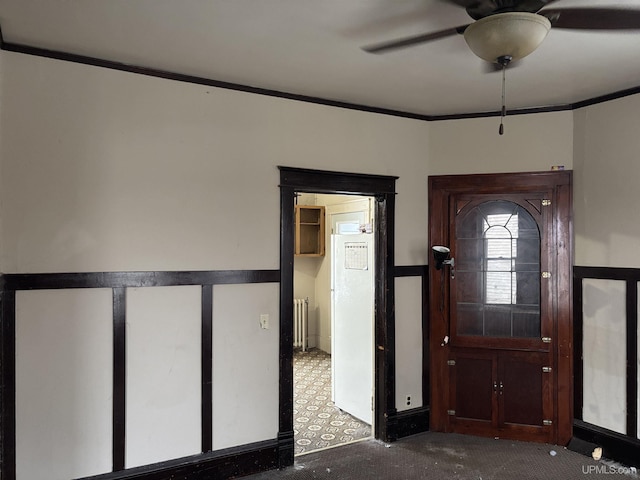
(64, 379)
(408, 342)
(245, 364)
(163, 374)
(604, 353)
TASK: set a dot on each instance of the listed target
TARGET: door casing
(558, 186)
(381, 187)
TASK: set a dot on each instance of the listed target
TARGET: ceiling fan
(508, 30)
(515, 28)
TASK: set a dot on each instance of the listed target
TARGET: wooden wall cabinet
(309, 230)
(512, 371)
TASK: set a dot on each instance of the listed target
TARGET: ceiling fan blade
(414, 40)
(478, 9)
(532, 5)
(462, 3)
(593, 18)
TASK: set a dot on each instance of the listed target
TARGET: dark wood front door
(500, 312)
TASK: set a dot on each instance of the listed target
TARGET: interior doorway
(334, 325)
(382, 189)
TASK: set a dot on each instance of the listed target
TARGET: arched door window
(498, 271)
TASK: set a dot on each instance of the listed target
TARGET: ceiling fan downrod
(503, 60)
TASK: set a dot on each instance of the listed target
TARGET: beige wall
(530, 143)
(104, 170)
(305, 274)
(607, 222)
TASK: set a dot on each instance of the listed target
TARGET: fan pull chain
(504, 108)
(504, 61)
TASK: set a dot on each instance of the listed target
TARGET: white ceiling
(312, 47)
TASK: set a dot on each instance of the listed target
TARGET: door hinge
(546, 274)
(547, 422)
(546, 369)
(451, 362)
(546, 202)
(451, 412)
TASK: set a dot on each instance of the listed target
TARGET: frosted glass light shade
(516, 34)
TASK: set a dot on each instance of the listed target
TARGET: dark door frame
(381, 187)
(559, 183)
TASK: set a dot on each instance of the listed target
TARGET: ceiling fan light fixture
(513, 34)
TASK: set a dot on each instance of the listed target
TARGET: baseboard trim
(410, 422)
(286, 449)
(221, 464)
(615, 446)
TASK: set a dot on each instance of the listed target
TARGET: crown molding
(180, 77)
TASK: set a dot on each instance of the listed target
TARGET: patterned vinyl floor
(317, 422)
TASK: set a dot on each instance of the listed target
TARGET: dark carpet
(447, 456)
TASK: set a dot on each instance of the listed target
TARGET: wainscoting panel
(245, 364)
(163, 374)
(409, 343)
(604, 356)
(63, 384)
(409, 280)
(606, 361)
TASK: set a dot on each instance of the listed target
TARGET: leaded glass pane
(497, 271)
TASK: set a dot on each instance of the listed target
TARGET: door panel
(521, 392)
(473, 392)
(525, 400)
